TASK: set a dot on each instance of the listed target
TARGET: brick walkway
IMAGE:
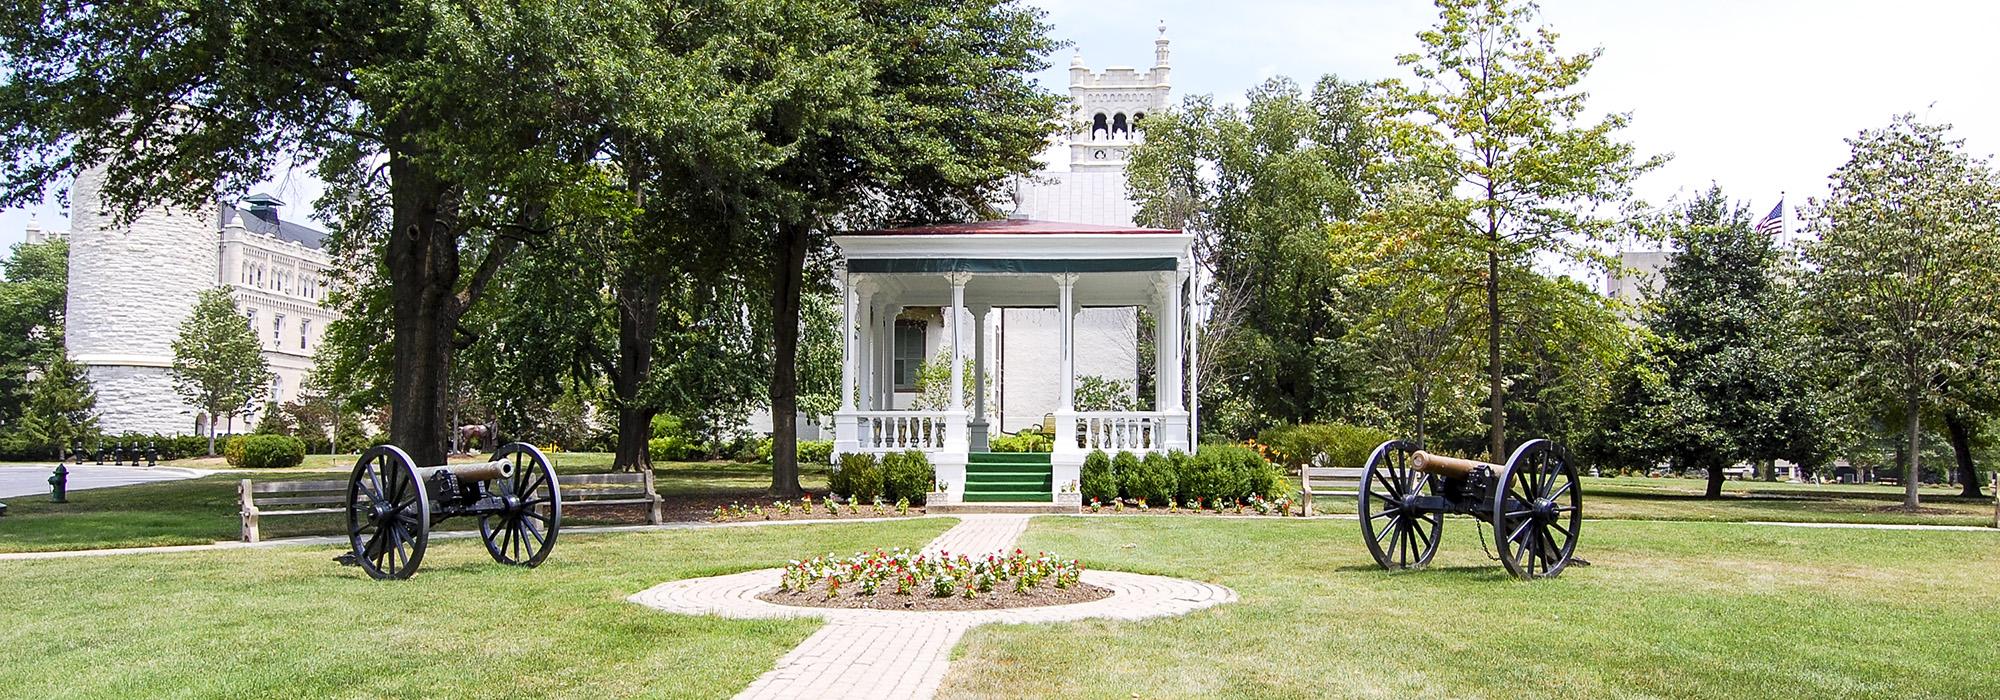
(904, 654)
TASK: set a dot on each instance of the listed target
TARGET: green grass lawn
(204, 510)
(1683, 610)
(1639, 498)
(290, 623)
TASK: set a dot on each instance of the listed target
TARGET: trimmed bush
(907, 475)
(1023, 442)
(1344, 445)
(1098, 481)
(1153, 481)
(1234, 472)
(232, 449)
(1125, 469)
(815, 451)
(675, 448)
(859, 477)
(266, 451)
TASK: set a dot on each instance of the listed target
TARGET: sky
(1755, 95)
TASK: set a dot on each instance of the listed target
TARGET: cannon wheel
(1400, 536)
(388, 514)
(1537, 510)
(523, 533)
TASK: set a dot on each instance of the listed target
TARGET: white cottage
(966, 272)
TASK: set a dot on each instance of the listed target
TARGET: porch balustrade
(894, 431)
(1114, 431)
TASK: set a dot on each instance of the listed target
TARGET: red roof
(1010, 227)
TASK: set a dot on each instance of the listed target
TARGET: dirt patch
(851, 597)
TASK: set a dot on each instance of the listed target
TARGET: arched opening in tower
(1098, 128)
(1118, 125)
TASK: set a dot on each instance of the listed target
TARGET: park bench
(1738, 473)
(1327, 481)
(261, 499)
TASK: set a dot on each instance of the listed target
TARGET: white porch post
(1174, 431)
(1193, 320)
(845, 439)
(865, 356)
(885, 361)
(978, 438)
(1067, 461)
(955, 433)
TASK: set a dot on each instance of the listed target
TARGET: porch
(967, 272)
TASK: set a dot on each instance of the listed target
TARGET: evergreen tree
(34, 288)
(62, 408)
(1721, 377)
(1908, 262)
(219, 365)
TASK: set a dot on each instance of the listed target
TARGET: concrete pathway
(17, 481)
(904, 654)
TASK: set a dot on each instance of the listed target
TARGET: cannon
(392, 505)
(1533, 502)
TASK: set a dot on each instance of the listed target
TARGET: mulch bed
(816, 514)
(998, 599)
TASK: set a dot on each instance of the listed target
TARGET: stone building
(132, 283)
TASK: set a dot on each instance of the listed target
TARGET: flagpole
(1784, 223)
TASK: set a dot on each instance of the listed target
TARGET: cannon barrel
(1446, 466)
(480, 471)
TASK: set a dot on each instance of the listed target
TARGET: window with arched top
(1136, 118)
(1118, 125)
(1099, 127)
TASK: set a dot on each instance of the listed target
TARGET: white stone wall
(1031, 381)
(130, 286)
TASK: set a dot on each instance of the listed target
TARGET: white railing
(1114, 431)
(891, 431)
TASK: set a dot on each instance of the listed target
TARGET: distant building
(131, 285)
(1638, 277)
(37, 235)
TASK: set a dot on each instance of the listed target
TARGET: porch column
(955, 431)
(847, 358)
(1065, 439)
(865, 355)
(1167, 343)
(885, 361)
(979, 424)
(1193, 323)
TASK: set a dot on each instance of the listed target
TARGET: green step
(1009, 497)
(1036, 483)
(971, 473)
(1041, 458)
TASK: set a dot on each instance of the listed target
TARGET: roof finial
(1163, 29)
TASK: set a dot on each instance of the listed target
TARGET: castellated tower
(1109, 105)
(130, 286)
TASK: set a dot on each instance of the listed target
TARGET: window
(305, 331)
(252, 316)
(909, 353)
(277, 330)
(277, 389)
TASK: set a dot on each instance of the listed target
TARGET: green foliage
(272, 421)
(1154, 480)
(674, 448)
(34, 290)
(1022, 442)
(1227, 473)
(934, 383)
(1908, 258)
(907, 475)
(815, 451)
(1098, 482)
(1095, 393)
(1344, 445)
(219, 365)
(1125, 469)
(860, 477)
(62, 408)
(266, 451)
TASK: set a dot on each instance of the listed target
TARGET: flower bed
(808, 508)
(1254, 505)
(902, 580)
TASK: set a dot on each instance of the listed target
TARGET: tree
(1258, 187)
(927, 107)
(1720, 380)
(219, 365)
(34, 288)
(1908, 259)
(62, 408)
(1496, 113)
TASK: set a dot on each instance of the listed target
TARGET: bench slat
(616, 479)
(310, 511)
(340, 498)
(297, 486)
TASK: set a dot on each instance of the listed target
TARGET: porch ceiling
(1018, 290)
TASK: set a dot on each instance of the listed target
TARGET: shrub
(1344, 445)
(907, 475)
(1023, 442)
(1125, 469)
(1234, 472)
(232, 449)
(859, 477)
(1153, 480)
(815, 451)
(266, 451)
(674, 448)
(1098, 481)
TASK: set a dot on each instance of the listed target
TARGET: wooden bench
(1328, 481)
(321, 497)
(1738, 473)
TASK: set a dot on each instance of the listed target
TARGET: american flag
(1773, 222)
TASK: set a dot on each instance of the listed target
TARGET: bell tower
(1109, 106)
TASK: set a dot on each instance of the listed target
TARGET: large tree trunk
(638, 325)
(1715, 477)
(1961, 450)
(1496, 403)
(1911, 473)
(422, 257)
(788, 281)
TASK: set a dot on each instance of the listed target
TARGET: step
(1001, 507)
(1002, 486)
(1009, 496)
(1004, 475)
(1042, 458)
(1008, 469)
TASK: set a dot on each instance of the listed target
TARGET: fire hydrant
(59, 485)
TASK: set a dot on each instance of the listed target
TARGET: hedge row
(1344, 445)
(862, 477)
(265, 451)
(1216, 473)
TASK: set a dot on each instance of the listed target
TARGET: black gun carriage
(392, 505)
(1533, 502)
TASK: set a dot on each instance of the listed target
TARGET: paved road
(19, 481)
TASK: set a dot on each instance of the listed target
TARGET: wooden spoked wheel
(524, 530)
(1399, 533)
(388, 514)
(1537, 510)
